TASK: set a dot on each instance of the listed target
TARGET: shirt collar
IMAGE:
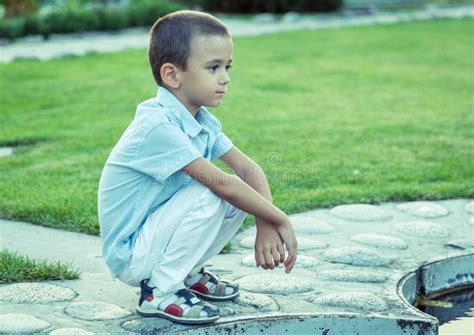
(191, 124)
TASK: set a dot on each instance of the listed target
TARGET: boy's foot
(208, 285)
(180, 306)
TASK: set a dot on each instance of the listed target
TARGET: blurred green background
(364, 114)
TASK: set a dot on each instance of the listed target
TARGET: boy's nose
(224, 79)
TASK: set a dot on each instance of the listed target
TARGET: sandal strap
(221, 284)
(220, 289)
(195, 311)
(189, 298)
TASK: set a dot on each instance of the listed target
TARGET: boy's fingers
(268, 259)
(260, 259)
(292, 261)
(276, 256)
(289, 266)
(281, 251)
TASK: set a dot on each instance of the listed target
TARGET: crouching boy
(164, 208)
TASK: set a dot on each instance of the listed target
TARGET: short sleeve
(165, 150)
(221, 146)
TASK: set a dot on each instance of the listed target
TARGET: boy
(164, 209)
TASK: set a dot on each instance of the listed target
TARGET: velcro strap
(220, 289)
(195, 311)
(185, 294)
(194, 300)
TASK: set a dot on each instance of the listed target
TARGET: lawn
(17, 268)
(366, 114)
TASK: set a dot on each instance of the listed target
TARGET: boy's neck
(192, 110)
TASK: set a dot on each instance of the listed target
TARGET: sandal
(211, 287)
(181, 306)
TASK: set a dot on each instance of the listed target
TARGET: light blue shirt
(143, 170)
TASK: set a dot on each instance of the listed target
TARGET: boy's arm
(269, 251)
(243, 196)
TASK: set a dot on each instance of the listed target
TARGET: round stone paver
(354, 276)
(35, 293)
(70, 331)
(380, 241)
(360, 212)
(352, 300)
(275, 284)
(303, 243)
(461, 244)
(226, 311)
(307, 225)
(356, 256)
(260, 302)
(422, 229)
(469, 207)
(148, 326)
(424, 209)
(302, 261)
(96, 311)
(13, 323)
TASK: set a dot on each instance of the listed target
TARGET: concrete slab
(325, 297)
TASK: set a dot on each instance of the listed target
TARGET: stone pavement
(359, 267)
(81, 43)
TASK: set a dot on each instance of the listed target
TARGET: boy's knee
(205, 195)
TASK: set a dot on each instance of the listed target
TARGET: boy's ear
(169, 75)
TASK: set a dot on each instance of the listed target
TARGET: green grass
(366, 114)
(17, 268)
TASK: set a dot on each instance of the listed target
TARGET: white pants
(180, 236)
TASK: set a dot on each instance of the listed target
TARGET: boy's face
(205, 80)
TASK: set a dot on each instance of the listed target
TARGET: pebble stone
(35, 293)
(354, 276)
(96, 311)
(275, 284)
(6, 151)
(352, 300)
(303, 243)
(469, 207)
(14, 323)
(301, 262)
(380, 241)
(307, 225)
(70, 331)
(148, 326)
(356, 256)
(361, 213)
(461, 243)
(423, 209)
(423, 229)
(260, 302)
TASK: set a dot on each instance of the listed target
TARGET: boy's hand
(269, 250)
(288, 236)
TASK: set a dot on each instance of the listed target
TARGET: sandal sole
(215, 298)
(183, 320)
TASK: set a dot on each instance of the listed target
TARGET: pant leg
(175, 237)
(233, 219)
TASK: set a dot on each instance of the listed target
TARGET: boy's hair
(171, 37)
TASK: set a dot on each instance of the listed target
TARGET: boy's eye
(228, 67)
(213, 68)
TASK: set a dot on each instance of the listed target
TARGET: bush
(12, 28)
(274, 6)
(70, 19)
(146, 12)
(112, 18)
